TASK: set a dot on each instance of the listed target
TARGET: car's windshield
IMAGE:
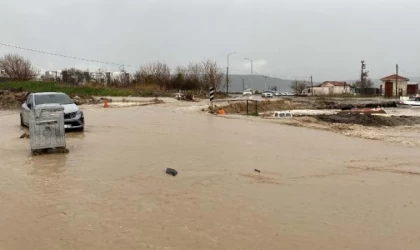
(53, 98)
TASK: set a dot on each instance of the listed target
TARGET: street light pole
(227, 73)
(396, 80)
(265, 82)
(252, 62)
(312, 87)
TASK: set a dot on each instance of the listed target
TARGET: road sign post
(212, 92)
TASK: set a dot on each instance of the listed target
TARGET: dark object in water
(171, 171)
(348, 107)
(25, 135)
(50, 151)
(256, 170)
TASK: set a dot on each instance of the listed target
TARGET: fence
(255, 104)
(247, 107)
(368, 91)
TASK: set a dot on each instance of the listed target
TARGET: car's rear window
(53, 98)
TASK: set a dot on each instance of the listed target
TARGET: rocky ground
(395, 125)
(369, 119)
(12, 98)
(298, 103)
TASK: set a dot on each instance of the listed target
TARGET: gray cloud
(326, 39)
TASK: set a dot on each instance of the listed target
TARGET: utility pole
(265, 82)
(252, 64)
(312, 87)
(363, 76)
(396, 80)
(227, 73)
(243, 84)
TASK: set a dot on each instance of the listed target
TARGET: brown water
(316, 190)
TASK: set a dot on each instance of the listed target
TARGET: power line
(66, 56)
(112, 63)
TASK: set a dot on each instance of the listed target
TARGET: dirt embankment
(12, 98)
(397, 128)
(346, 103)
(369, 120)
(240, 107)
(85, 100)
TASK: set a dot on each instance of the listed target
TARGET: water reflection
(49, 165)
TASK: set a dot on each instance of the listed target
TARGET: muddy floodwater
(316, 189)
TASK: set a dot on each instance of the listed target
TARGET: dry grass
(263, 106)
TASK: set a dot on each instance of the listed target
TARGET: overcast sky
(288, 38)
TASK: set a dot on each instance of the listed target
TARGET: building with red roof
(394, 85)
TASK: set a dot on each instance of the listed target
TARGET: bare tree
(73, 76)
(99, 76)
(162, 74)
(154, 73)
(17, 67)
(142, 75)
(298, 86)
(195, 72)
(121, 79)
(212, 75)
(194, 76)
(178, 79)
(368, 83)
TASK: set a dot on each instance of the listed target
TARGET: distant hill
(414, 79)
(256, 82)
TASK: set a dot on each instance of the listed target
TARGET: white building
(330, 88)
(394, 85)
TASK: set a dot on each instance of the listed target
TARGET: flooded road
(316, 189)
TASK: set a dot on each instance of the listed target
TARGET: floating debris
(25, 135)
(171, 171)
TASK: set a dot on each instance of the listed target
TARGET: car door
(26, 108)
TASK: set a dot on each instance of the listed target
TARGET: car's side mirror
(29, 105)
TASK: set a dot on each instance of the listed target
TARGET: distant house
(52, 75)
(3, 76)
(394, 85)
(330, 88)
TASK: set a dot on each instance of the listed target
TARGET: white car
(247, 92)
(73, 116)
(267, 94)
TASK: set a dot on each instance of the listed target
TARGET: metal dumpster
(46, 127)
